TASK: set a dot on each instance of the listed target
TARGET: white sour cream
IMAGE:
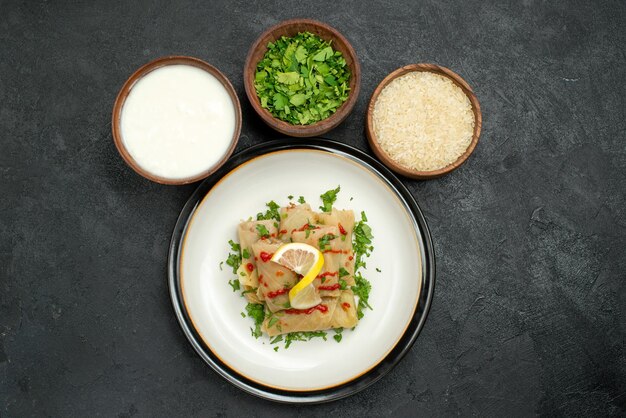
(177, 121)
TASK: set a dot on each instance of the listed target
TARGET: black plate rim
(393, 357)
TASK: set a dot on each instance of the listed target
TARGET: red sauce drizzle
(282, 231)
(272, 295)
(261, 278)
(350, 258)
(341, 230)
(279, 273)
(329, 287)
(250, 267)
(336, 251)
(328, 273)
(304, 228)
(265, 256)
(345, 305)
(320, 307)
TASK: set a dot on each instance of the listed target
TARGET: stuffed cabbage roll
(247, 272)
(274, 280)
(326, 239)
(345, 315)
(318, 318)
(296, 218)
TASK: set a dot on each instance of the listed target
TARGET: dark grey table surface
(530, 235)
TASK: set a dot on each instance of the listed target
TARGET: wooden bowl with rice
(423, 121)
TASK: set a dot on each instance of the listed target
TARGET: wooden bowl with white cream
(423, 121)
(176, 120)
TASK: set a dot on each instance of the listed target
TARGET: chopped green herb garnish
(301, 79)
(273, 320)
(256, 311)
(378, 270)
(343, 272)
(351, 199)
(234, 246)
(301, 200)
(262, 230)
(242, 274)
(221, 264)
(253, 290)
(362, 241)
(290, 197)
(343, 285)
(234, 258)
(338, 335)
(303, 336)
(271, 213)
(276, 348)
(276, 339)
(243, 315)
(245, 253)
(362, 290)
(234, 284)
(325, 241)
(308, 228)
(329, 198)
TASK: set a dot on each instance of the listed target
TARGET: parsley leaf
(324, 242)
(362, 241)
(362, 244)
(329, 198)
(337, 337)
(271, 213)
(262, 231)
(303, 336)
(245, 253)
(234, 284)
(234, 258)
(301, 200)
(362, 290)
(257, 312)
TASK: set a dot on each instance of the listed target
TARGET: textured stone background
(530, 235)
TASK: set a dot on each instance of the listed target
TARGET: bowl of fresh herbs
(302, 77)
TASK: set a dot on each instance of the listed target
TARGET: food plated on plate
(300, 269)
(232, 333)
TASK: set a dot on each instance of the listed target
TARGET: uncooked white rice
(423, 121)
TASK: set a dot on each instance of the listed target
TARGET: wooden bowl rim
(138, 75)
(321, 126)
(456, 79)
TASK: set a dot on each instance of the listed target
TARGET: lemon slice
(306, 260)
(305, 298)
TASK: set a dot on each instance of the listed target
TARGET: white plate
(214, 309)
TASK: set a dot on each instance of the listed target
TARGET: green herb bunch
(302, 80)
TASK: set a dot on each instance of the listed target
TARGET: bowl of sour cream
(176, 120)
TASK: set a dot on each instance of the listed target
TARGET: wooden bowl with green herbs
(302, 77)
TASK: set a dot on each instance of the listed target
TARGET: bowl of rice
(423, 121)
